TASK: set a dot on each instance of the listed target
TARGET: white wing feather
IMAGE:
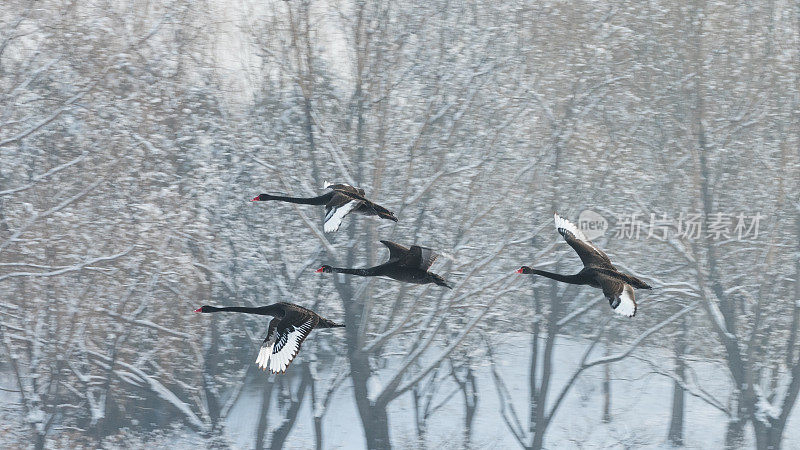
(278, 362)
(334, 220)
(263, 360)
(569, 226)
(627, 304)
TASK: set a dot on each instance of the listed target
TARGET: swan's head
(260, 198)
(204, 309)
(325, 269)
(525, 269)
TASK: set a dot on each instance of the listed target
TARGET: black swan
(405, 264)
(597, 271)
(290, 326)
(340, 201)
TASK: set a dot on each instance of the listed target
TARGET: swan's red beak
(519, 270)
(255, 199)
(198, 310)
(318, 270)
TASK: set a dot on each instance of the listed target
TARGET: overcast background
(133, 134)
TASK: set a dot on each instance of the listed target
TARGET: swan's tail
(325, 323)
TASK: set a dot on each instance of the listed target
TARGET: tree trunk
(318, 433)
(773, 436)
(734, 434)
(373, 417)
(263, 417)
(419, 418)
(539, 419)
(538, 439)
(279, 435)
(41, 439)
(675, 434)
(376, 430)
(317, 416)
(470, 405)
(607, 387)
(532, 382)
(768, 435)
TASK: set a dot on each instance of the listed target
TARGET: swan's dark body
(597, 271)
(340, 201)
(290, 325)
(406, 264)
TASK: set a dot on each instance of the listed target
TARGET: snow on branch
(145, 323)
(45, 175)
(68, 104)
(49, 212)
(339, 158)
(439, 175)
(73, 268)
(712, 307)
(700, 393)
(213, 273)
(138, 377)
(569, 317)
(65, 107)
(438, 359)
(507, 410)
(617, 357)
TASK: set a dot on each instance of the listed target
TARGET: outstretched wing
(428, 257)
(337, 208)
(619, 294)
(267, 345)
(396, 251)
(419, 257)
(589, 253)
(630, 279)
(346, 189)
(364, 206)
(284, 339)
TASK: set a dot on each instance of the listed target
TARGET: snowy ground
(641, 402)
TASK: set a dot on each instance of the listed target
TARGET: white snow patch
(374, 388)
(640, 405)
(765, 409)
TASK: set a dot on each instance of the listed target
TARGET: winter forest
(133, 135)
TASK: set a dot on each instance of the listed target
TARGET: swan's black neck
(571, 279)
(321, 200)
(368, 272)
(270, 310)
